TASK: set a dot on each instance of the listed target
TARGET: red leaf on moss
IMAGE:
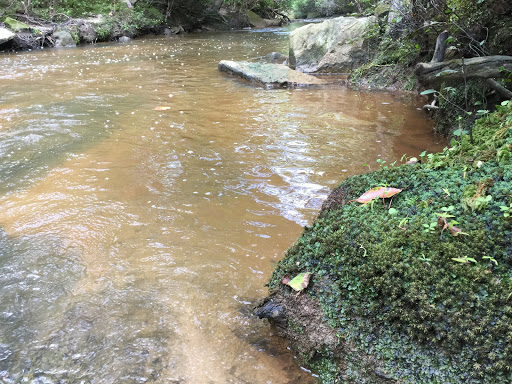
(374, 193)
(442, 222)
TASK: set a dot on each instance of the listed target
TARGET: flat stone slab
(268, 74)
(5, 35)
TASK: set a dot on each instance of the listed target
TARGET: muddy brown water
(134, 242)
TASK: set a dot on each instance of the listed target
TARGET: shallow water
(134, 242)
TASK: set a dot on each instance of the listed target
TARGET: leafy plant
(507, 210)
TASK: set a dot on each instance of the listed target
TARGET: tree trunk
(217, 5)
(440, 47)
(486, 67)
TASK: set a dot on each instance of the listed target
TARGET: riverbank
(414, 288)
(29, 33)
(21, 31)
(415, 285)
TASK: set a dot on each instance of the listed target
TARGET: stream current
(135, 242)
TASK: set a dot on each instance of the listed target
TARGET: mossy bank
(401, 295)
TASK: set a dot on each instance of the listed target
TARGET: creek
(134, 242)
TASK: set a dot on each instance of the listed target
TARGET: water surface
(134, 242)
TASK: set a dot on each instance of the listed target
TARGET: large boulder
(258, 22)
(5, 35)
(87, 33)
(255, 20)
(336, 45)
(63, 39)
(268, 74)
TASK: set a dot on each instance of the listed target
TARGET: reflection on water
(134, 242)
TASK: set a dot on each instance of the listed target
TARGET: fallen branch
(475, 68)
(500, 89)
(432, 106)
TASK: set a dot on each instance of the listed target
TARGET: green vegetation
(133, 17)
(320, 8)
(425, 289)
(151, 9)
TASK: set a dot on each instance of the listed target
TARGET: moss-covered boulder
(418, 288)
(15, 25)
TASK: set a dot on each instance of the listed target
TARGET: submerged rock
(124, 39)
(5, 35)
(268, 74)
(276, 58)
(63, 39)
(336, 45)
(174, 30)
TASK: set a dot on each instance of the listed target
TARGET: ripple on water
(135, 242)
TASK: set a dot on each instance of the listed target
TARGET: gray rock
(255, 20)
(63, 39)
(269, 310)
(174, 30)
(5, 35)
(258, 22)
(268, 74)
(276, 58)
(336, 45)
(87, 33)
(124, 39)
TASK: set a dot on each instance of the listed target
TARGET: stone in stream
(5, 35)
(268, 74)
(258, 22)
(276, 58)
(63, 39)
(87, 32)
(335, 45)
(124, 39)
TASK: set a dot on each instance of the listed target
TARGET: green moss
(326, 369)
(14, 24)
(295, 327)
(397, 293)
(104, 30)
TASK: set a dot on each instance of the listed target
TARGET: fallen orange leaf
(299, 282)
(379, 192)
